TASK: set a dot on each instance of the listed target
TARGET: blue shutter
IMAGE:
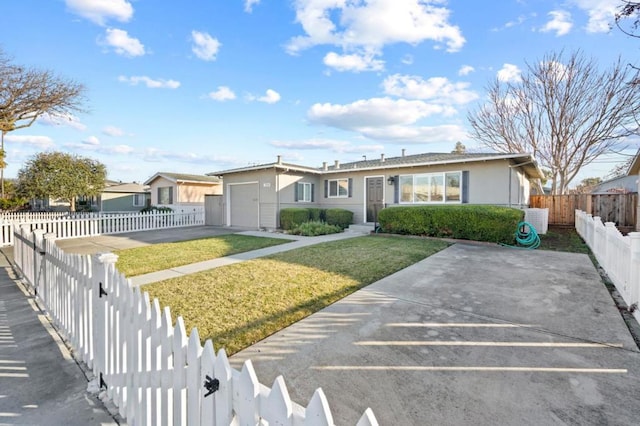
(350, 190)
(295, 192)
(326, 188)
(313, 190)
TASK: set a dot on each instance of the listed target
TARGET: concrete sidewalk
(473, 335)
(40, 383)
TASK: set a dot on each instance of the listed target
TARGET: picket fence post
(634, 269)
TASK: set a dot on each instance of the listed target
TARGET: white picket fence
(147, 365)
(618, 255)
(92, 224)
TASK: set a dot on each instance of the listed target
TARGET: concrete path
(40, 384)
(474, 335)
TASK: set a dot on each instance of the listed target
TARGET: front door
(375, 197)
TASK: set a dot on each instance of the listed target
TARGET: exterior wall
(491, 182)
(193, 193)
(214, 210)
(184, 193)
(118, 202)
(160, 182)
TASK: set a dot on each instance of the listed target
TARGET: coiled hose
(526, 236)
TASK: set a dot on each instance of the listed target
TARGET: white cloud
(366, 27)
(509, 73)
(118, 149)
(99, 11)
(560, 23)
(270, 97)
(204, 46)
(113, 131)
(222, 94)
(375, 112)
(438, 89)
(61, 120)
(416, 134)
(149, 82)
(353, 62)
(91, 140)
(601, 13)
(124, 45)
(41, 142)
(407, 59)
(466, 70)
(248, 5)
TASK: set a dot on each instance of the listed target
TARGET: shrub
(315, 228)
(317, 214)
(467, 222)
(341, 217)
(292, 217)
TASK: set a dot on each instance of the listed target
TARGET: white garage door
(244, 205)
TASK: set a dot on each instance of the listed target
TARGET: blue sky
(207, 85)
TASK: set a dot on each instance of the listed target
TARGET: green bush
(466, 222)
(315, 228)
(292, 217)
(341, 217)
(316, 214)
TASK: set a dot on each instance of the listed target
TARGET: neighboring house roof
(428, 159)
(619, 185)
(183, 177)
(125, 187)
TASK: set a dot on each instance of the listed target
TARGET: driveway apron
(474, 335)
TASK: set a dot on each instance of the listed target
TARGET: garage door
(244, 205)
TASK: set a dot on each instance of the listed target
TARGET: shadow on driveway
(473, 335)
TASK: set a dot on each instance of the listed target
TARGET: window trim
(142, 199)
(429, 176)
(169, 189)
(299, 197)
(347, 181)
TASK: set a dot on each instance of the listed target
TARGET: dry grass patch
(143, 260)
(238, 305)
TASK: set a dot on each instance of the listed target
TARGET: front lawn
(238, 305)
(143, 260)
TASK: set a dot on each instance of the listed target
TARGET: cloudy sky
(207, 85)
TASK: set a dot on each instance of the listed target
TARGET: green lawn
(143, 260)
(240, 304)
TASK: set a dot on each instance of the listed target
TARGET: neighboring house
(123, 197)
(115, 197)
(619, 185)
(182, 189)
(254, 195)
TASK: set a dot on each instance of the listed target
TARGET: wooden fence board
(620, 209)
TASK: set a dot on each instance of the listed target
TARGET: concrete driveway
(474, 335)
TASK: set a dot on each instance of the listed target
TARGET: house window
(338, 188)
(304, 192)
(138, 200)
(165, 195)
(431, 188)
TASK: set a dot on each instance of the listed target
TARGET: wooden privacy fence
(146, 364)
(618, 255)
(92, 224)
(620, 209)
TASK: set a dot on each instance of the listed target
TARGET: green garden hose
(526, 237)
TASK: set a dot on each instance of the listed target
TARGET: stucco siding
(194, 192)
(118, 202)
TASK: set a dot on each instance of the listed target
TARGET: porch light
(391, 180)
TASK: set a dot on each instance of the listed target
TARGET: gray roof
(526, 160)
(184, 177)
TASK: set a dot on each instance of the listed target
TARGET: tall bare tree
(564, 110)
(28, 93)
(628, 18)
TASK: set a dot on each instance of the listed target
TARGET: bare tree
(565, 112)
(629, 14)
(28, 93)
